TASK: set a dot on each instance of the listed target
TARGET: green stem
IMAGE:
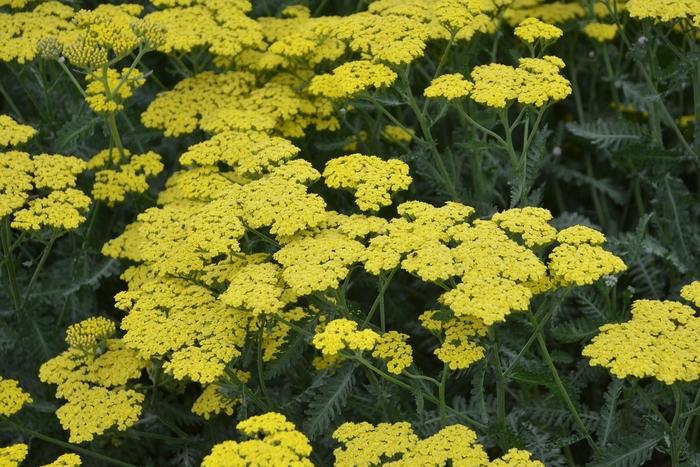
(77, 85)
(114, 132)
(125, 77)
(39, 267)
(442, 406)
(379, 300)
(10, 102)
(9, 263)
(676, 433)
(427, 395)
(500, 385)
(560, 387)
(261, 377)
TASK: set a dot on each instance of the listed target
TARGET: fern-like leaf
(608, 133)
(635, 452)
(328, 402)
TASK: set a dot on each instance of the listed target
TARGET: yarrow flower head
(451, 87)
(340, 334)
(13, 133)
(275, 442)
(372, 179)
(532, 30)
(351, 78)
(12, 397)
(660, 341)
(600, 32)
(89, 333)
(66, 460)
(14, 455)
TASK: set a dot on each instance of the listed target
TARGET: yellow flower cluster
(118, 175)
(532, 30)
(458, 349)
(691, 292)
(600, 32)
(342, 334)
(13, 133)
(20, 32)
(660, 341)
(393, 348)
(372, 179)
(12, 456)
(104, 30)
(12, 397)
(397, 445)
(351, 78)
(663, 10)
(582, 264)
(451, 87)
(91, 375)
(62, 208)
(108, 88)
(275, 442)
(397, 134)
(537, 81)
(66, 460)
(89, 333)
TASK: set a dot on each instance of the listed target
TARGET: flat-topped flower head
(90, 332)
(351, 78)
(12, 397)
(660, 341)
(691, 292)
(451, 87)
(600, 32)
(13, 455)
(274, 442)
(582, 264)
(393, 347)
(13, 133)
(342, 334)
(371, 179)
(532, 29)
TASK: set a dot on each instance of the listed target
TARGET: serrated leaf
(327, 403)
(609, 133)
(633, 453)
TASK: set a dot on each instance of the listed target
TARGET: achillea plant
(415, 232)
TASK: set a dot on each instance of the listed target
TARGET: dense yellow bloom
(582, 264)
(12, 397)
(12, 456)
(107, 89)
(364, 444)
(662, 10)
(458, 349)
(536, 81)
(552, 13)
(56, 172)
(92, 411)
(116, 176)
(660, 341)
(600, 32)
(90, 332)
(61, 209)
(15, 180)
(371, 179)
(489, 299)
(532, 30)
(274, 442)
(20, 32)
(247, 153)
(318, 263)
(419, 226)
(351, 78)
(579, 234)
(495, 85)
(516, 457)
(258, 288)
(432, 262)
(691, 292)
(13, 133)
(393, 348)
(396, 444)
(66, 460)
(343, 333)
(107, 28)
(452, 86)
(180, 110)
(530, 223)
